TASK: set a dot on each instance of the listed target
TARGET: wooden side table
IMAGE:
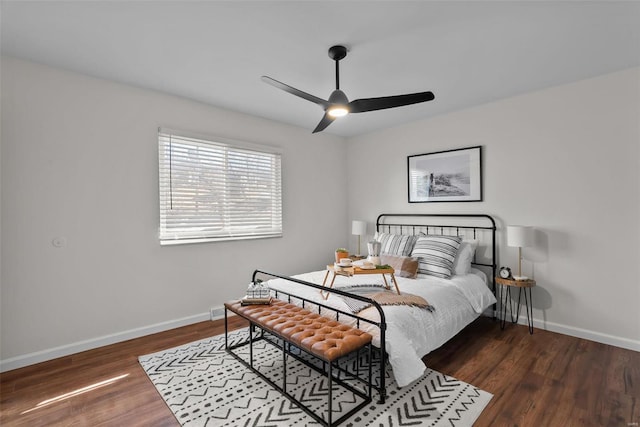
(523, 286)
(350, 271)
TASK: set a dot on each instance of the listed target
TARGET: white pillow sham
(466, 251)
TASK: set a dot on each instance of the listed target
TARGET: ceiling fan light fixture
(338, 104)
(338, 111)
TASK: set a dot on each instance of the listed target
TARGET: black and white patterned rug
(206, 386)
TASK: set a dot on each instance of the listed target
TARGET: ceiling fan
(338, 104)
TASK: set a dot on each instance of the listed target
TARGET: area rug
(203, 385)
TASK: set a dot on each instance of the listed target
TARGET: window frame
(167, 237)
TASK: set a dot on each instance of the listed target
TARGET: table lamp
(519, 236)
(359, 228)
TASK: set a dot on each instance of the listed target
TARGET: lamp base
(520, 278)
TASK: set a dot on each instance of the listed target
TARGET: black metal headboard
(476, 226)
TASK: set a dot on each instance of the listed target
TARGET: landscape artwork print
(446, 176)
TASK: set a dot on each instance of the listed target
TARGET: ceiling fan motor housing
(338, 97)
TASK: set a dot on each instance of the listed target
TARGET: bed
(405, 333)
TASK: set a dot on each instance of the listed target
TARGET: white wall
(79, 161)
(565, 160)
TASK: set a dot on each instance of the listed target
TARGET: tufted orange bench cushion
(325, 338)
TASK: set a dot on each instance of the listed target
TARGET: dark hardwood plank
(544, 379)
(131, 401)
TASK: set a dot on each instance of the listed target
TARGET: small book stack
(255, 301)
(257, 293)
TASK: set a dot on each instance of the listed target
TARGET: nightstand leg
(513, 319)
(520, 305)
(529, 307)
(503, 309)
(506, 293)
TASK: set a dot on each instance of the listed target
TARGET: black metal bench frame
(328, 367)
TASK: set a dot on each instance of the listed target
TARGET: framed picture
(446, 176)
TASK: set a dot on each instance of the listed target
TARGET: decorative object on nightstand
(519, 236)
(505, 273)
(358, 228)
(505, 296)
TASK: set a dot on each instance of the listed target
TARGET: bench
(326, 339)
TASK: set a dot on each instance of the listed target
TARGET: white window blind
(212, 190)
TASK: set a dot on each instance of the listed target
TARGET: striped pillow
(396, 244)
(436, 254)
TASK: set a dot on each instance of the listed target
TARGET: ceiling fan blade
(326, 121)
(297, 92)
(381, 103)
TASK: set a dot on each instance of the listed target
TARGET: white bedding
(412, 332)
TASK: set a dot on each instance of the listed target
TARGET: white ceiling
(467, 53)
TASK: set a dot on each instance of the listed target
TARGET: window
(217, 190)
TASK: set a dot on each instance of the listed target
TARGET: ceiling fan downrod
(337, 53)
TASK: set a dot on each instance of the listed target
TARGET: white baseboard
(65, 350)
(582, 333)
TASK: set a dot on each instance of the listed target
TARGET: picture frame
(445, 176)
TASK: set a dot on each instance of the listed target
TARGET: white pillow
(462, 263)
(436, 254)
(396, 244)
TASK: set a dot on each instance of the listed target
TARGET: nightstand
(505, 290)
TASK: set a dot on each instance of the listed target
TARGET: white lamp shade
(519, 236)
(359, 228)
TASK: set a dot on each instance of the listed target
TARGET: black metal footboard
(306, 303)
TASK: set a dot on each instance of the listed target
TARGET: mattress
(412, 332)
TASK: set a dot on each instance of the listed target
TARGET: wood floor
(544, 379)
